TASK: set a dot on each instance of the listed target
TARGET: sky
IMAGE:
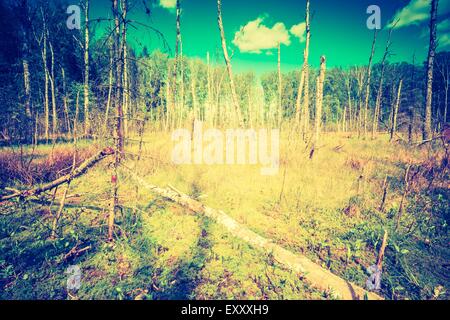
(253, 29)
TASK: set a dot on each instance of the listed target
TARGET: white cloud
(417, 12)
(168, 4)
(299, 30)
(254, 36)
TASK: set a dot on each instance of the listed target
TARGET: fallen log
(317, 276)
(81, 169)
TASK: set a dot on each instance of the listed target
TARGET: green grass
(164, 252)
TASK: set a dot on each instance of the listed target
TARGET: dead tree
(445, 78)
(53, 91)
(46, 77)
(405, 193)
(193, 90)
(376, 113)
(86, 70)
(65, 104)
(319, 100)
(395, 111)
(118, 137)
(110, 88)
(411, 112)
(175, 66)
(126, 93)
(304, 78)
(280, 88)
(368, 77)
(427, 134)
(234, 96)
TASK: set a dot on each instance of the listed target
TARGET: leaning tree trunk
(395, 111)
(86, 71)
(430, 61)
(228, 63)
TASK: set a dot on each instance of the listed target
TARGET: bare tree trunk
(280, 88)
(430, 61)
(52, 86)
(193, 90)
(110, 87)
(304, 73)
(209, 98)
(228, 63)
(369, 73)
(319, 99)
(46, 80)
(25, 64)
(181, 104)
(118, 152)
(376, 113)
(126, 96)
(169, 105)
(411, 112)
(175, 66)
(445, 79)
(26, 82)
(86, 71)
(349, 99)
(65, 106)
(395, 111)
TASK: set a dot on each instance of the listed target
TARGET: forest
(95, 204)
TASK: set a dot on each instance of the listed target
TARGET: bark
(376, 114)
(193, 90)
(52, 87)
(175, 67)
(369, 73)
(126, 96)
(86, 71)
(427, 134)
(411, 112)
(280, 88)
(319, 99)
(319, 277)
(234, 96)
(46, 81)
(119, 144)
(381, 252)
(110, 88)
(304, 74)
(65, 106)
(395, 111)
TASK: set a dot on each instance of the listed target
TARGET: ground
(327, 208)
